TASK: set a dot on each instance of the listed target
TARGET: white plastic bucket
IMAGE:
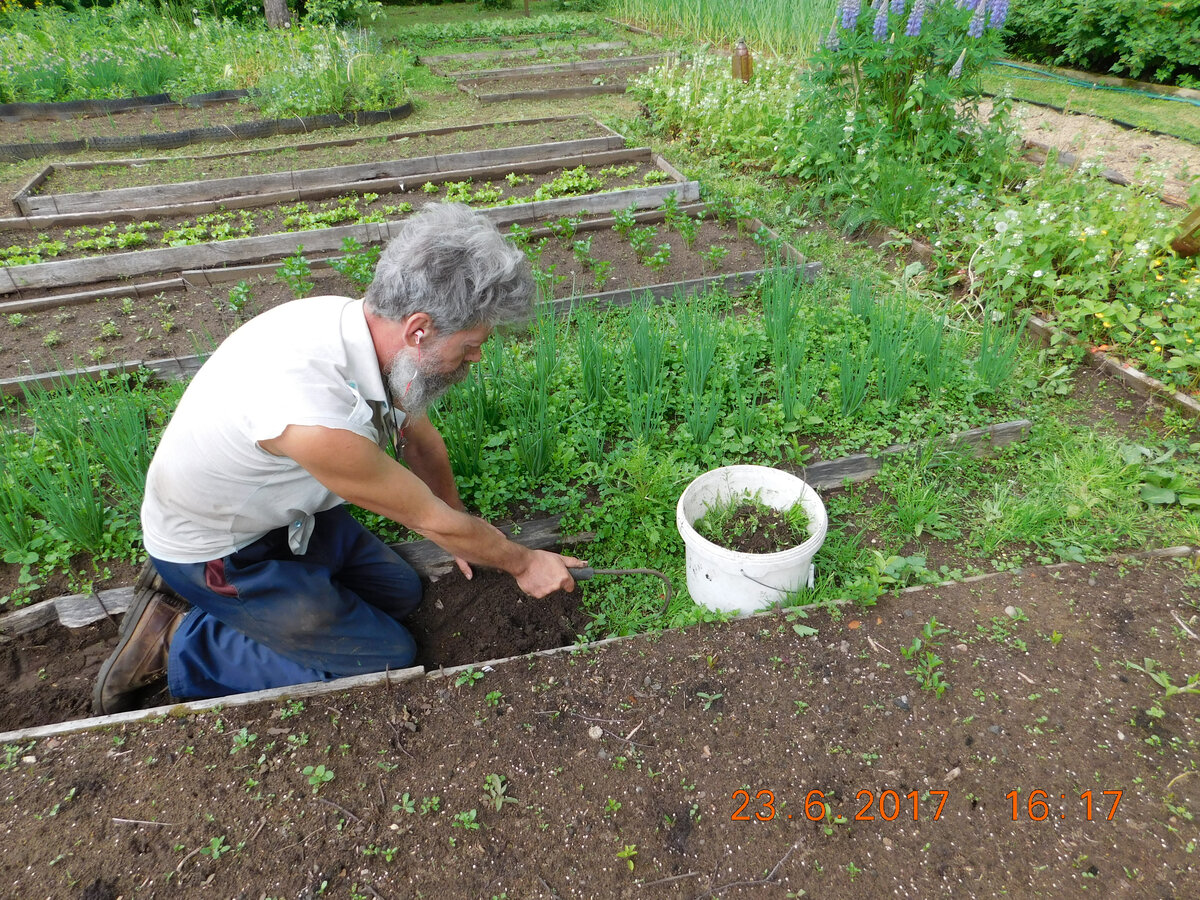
(742, 583)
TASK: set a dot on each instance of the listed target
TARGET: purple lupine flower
(849, 11)
(956, 69)
(913, 28)
(879, 31)
(975, 29)
(832, 42)
(897, 7)
(999, 13)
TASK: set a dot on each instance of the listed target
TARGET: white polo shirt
(211, 489)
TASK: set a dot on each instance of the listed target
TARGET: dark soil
(48, 674)
(101, 176)
(186, 322)
(750, 527)
(693, 755)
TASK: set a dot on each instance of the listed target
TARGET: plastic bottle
(743, 64)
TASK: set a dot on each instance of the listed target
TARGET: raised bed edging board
(69, 273)
(245, 191)
(167, 140)
(1136, 379)
(70, 109)
(473, 85)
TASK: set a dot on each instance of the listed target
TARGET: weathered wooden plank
(31, 184)
(861, 466)
(316, 145)
(172, 259)
(28, 619)
(732, 282)
(76, 610)
(1134, 378)
(180, 368)
(142, 289)
(274, 695)
(275, 187)
(15, 387)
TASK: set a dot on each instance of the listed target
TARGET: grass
(774, 26)
(1181, 120)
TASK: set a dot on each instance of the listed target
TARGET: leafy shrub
(1158, 40)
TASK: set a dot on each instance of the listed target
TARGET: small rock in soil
(902, 701)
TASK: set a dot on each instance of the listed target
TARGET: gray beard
(414, 390)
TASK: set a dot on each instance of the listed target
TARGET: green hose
(1054, 76)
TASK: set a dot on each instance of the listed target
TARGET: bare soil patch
(616, 79)
(693, 755)
(48, 674)
(66, 179)
(1139, 156)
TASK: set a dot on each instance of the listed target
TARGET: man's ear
(417, 327)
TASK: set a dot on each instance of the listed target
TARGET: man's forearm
(476, 541)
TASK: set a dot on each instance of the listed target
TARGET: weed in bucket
(744, 523)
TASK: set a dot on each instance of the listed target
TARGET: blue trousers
(263, 617)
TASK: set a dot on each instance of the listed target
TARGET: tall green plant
(644, 372)
(594, 361)
(701, 407)
(998, 345)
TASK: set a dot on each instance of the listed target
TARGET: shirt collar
(362, 365)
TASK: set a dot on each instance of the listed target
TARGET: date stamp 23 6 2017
(916, 806)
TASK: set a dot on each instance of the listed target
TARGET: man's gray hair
(454, 264)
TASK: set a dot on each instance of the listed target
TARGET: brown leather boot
(140, 657)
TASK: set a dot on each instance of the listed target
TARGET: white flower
(1001, 227)
(1038, 273)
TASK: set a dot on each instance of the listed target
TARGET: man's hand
(546, 572)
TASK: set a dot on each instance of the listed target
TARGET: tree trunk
(277, 13)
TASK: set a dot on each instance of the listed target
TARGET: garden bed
(571, 81)
(451, 65)
(570, 191)
(64, 178)
(181, 317)
(64, 641)
(251, 191)
(49, 673)
(46, 138)
(641, 748)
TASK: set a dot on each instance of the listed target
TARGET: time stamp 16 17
(916, 806)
